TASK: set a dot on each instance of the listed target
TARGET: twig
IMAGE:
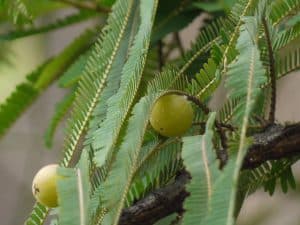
(198, 102)
(222, 153)
(161, 59)
(272, 72)
(223, 125)
(85, 5)
(193, 99)
(179, 43)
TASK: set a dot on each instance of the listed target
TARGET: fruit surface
(44, 185)
(172, 115)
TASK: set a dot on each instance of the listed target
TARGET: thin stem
(271, 71)
(179, 43)
(193, 99)
(220, 124)
(160, 55)
(222, 153)
(85, 5)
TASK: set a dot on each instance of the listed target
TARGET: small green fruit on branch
(172, 115)
(44, 186)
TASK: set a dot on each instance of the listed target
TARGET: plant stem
(160, 55)
(271, 72)
(193, 99)
(179, 43)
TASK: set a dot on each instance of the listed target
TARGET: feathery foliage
(289, 63)
(37, 215)
(249, 66)
(266, 175)
(147, 178)
(72, 75)
(210, 187)
(19, 100)
(60, 23)
(73, 191)
(120, 177)
(17, 11)
(27, 91)
(281, 9)
(119, 105)
(286, 36)
(95, 76)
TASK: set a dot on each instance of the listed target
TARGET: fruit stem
(193, 99)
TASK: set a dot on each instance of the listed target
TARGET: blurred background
(23, 151)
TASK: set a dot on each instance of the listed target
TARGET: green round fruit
(44, 186)
(172, 115)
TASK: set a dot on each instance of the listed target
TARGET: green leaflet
(289, 63)
(206, 81)
(113, 81)
(61, 110)
(27, 91)
(94, 76)
(210, 188)
(266, 175)
(228, 110)
(60, 23)
(241, 9)
(119, 105)
(281, 9)
(246, 74)
(24, 94)
(49, 73)
(247, 88)
(286, 36)
(72, 75)
(208, 78)
(17, 11)
(73, 193)
(38, 215)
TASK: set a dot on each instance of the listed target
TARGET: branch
(275, 142)
(179, 43)
(157, 204)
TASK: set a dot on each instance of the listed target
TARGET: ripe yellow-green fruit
(172, 115)
(44, 186)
